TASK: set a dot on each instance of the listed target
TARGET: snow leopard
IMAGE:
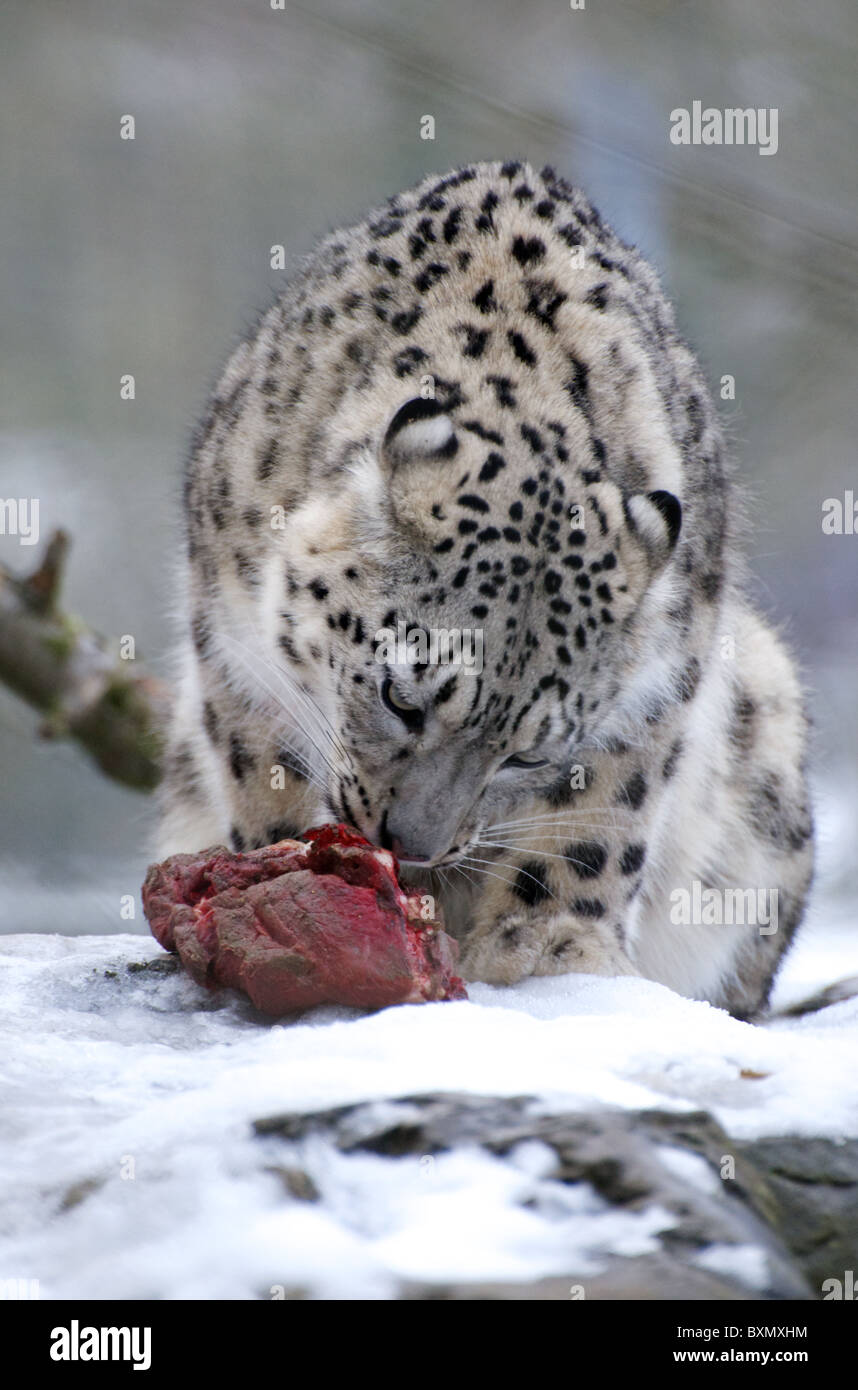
(472, 412)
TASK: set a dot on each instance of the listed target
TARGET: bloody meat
(302, 922)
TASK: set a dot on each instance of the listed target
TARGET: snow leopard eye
(523, 761)
(420, 429)
(411, 715)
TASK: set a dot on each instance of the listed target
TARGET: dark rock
(832, 994)
(161, 965)
(812, 1200)
(647, 1279)
(296, 1182)
(794, 1199)
(79, 1191)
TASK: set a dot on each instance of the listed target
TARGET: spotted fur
(473, 410)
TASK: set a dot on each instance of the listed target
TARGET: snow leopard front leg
(563, 898)
(232, 775)
(512, 938)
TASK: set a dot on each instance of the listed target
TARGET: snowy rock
(557, 1139)
(631, 1163)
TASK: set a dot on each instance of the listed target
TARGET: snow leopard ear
(656, 518)
(420, 429)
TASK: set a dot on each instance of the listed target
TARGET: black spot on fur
(475, 339)
(528, 249)
(743, 724)
(384, 228)
(589, 907)
(408, 360)
(446, 690)
(577, 385)
(671, 760)
(476, 504)
(633, 793)
(433, 272)
(405, 320)
(282, 830)
(632, 858)
(240, 760)
(210, 721)
(503, 390)
(689, 680)
(531, 884)
(587, 858)
(786, 826)
(452, 224)
(561, 793)
(201, 634)
(710, 585)
(484, 298)
(543, 302)
(183, 772)
(572, 235)
(598, 296)
(492, 466)
(523, 352)
(267, 460)
(696, 418)
(286, 758)
(474, 427)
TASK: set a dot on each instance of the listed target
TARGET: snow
(133, 1171)
(690, 1168)
(747, 1263)
(129, 1167)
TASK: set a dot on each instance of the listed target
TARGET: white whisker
(240, 652)
(290, 686)
(487, 872)
(293, 686)
(546, 818)
(528, 850)
(516, 870)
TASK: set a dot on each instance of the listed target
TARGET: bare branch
(58, 664)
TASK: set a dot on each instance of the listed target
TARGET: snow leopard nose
(390, 841)
(406, 854)
(431, 796)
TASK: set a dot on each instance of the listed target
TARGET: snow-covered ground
(130, 1169)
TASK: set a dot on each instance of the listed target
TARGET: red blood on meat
(321, 836)
(302, 923)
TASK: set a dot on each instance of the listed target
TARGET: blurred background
(257, 126)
